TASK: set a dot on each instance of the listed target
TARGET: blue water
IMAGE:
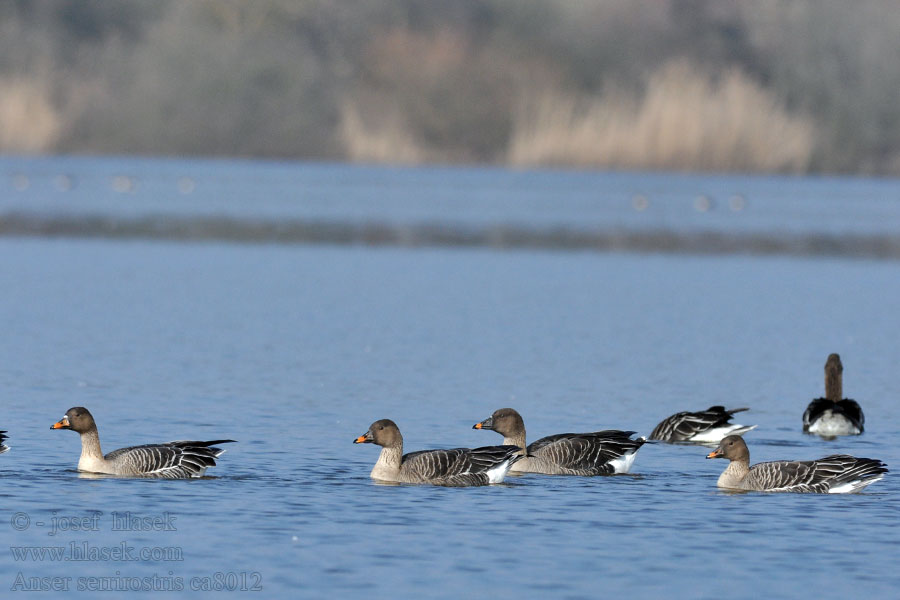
(295, 349)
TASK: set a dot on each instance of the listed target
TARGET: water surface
(294, 349)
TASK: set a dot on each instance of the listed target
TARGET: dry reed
(685, 120)
(383, 138)
(28, 122)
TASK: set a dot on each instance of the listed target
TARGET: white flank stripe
(853, 486)
(716, 435)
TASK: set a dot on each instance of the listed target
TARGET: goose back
(709, 425)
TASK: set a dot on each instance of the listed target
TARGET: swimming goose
(597, 453)
(171, 460)
(455, 467)
(709, 425)
(835, 474)
(833, 415)
(3, 447)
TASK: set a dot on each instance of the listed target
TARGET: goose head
(77, 419)
(382, 433)
(731, 447)
(505, 421)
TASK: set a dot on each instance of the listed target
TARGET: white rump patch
(497, 474)
(624, 462)
(832, 424)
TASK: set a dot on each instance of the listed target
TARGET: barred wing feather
(460, 466)
(685, 425)
(832, 474)
(585, 453)
(172, 460)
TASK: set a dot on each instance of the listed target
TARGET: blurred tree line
(753, 85)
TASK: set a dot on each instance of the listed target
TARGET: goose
(709, 425)
(597, 453)
(3, 447)
(835, 474)
(170, 460)
(833, 415)
(454, 467)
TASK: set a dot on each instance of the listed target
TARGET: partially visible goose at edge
(170, 460)
(709, 426)
(3, 447)
(835, 474)
(454, 467)
(596, 453)
(833, 415)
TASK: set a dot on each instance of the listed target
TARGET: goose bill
(365, 438)
(717, 453)
(486, 424)
(61, 424)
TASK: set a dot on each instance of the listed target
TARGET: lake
(288, 306)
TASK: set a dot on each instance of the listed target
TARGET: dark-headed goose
(709, 426)
(3, 447)
(455, 467)
(598, 453)
(833, 415)
(171, 460)
(836, 474)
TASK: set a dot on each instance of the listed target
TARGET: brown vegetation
(758, 85)
(684, 120)
(28, 122)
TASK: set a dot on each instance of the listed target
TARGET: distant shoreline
(436, 234)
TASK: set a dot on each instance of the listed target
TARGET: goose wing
(460, 466)
(3, 437)
(172, 460)
(846, 473)
(816, 476)
(585, 453)
(787, 476)
(685, 425)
